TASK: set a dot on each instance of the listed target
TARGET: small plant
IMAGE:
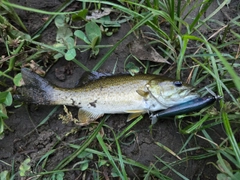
(66, 39)
(86, 158)
(5, 100)
(226, 170)
(25, 168)
(23, 171)
(92, 36)
(5, 175)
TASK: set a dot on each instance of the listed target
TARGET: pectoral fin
(86, 117)
(88, 77)
(142, 93)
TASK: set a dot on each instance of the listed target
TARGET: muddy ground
(26, 141)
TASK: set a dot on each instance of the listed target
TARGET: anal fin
(86, 117)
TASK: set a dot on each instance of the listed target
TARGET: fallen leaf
(35, 68)
(97, 14)
(144, 51)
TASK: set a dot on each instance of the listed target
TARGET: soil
(28, 140)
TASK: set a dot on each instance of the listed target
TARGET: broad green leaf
(84, 166)
(85, 154)
(70, 54)
(110, 33)
(59, 46)
(17, 79)
(70, 42)
(63, 33)
(94, 42)
(102, 162)
(82, 36)
(6, 98)
(18, 33)
(5, 175)
(92, 31)
(95, 52)
(3, 96)
(60, 21)
(132, 68)
(57, 56)
(222, 176)
(58, 176)
(3, 112)
(24, 167)
(81, 15)
(1, 129)
(226, 164)
(237, 175)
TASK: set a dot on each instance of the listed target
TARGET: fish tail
(36, 89)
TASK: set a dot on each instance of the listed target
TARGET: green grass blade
(181, 57)
(86, 143)
(231, 137)
(129, 127)
(194, 127)
(34, 10)
(131, 162)
(202, 11)
(143, 21)
(233, 74)
(109, 156)
(14, 15)
(224, 167)
(120, 156)
(172, 169)
(140, 16)
(212, 14)
(235, 77)
(80, 65)
(47, 23)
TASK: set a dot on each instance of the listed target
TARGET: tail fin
(36, 89)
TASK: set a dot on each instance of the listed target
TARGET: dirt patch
(141, 145)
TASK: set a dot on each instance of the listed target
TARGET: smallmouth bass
(114, 94)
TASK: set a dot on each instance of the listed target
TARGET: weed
(5, 100)
(92, 38)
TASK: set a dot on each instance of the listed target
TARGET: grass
(207, 59)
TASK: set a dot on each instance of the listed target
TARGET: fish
(109, 94)
(184, 108)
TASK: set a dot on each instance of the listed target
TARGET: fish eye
(177, 83)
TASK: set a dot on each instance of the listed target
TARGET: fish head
(168, 92)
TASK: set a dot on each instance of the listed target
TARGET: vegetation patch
(197, 42)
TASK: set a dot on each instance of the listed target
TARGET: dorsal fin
(91, 76)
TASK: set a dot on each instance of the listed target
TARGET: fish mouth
(191, 93)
